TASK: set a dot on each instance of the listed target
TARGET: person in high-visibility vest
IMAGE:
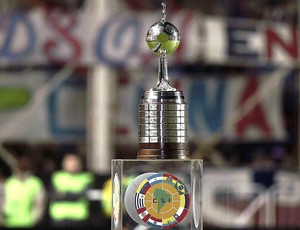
(23, 198)
(69, 205)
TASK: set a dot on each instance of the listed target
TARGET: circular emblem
(161, 201)
(116, 200)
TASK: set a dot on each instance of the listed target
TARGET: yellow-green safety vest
(18, 201)
(65, 182)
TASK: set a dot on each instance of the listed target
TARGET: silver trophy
(162, 110)
(162, 188)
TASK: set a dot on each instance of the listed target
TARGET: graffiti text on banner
(212, 102)
(41, 37)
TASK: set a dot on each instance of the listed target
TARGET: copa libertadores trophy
(161, 189)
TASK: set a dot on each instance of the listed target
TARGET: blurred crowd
(56, 197)
(49, 185)
(253, 155)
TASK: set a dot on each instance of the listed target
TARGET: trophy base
(157, 194)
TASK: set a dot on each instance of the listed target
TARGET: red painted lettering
(256, 116)
(63, 24)
(291, 47)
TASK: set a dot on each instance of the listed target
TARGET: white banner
(38, 106)
(41, 37)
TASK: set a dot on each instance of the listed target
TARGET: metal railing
(246, 204)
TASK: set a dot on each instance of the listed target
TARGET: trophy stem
(163, 77)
